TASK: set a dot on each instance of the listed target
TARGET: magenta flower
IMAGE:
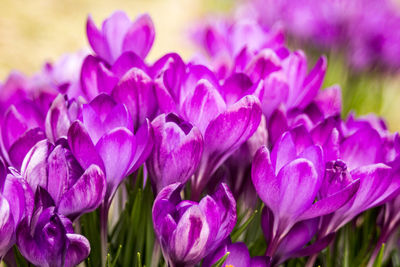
(73, 191)
(118, 34)
(187, 230)
(104, 137)
(277, 178)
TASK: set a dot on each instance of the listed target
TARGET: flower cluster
(247, 121)
(367, 31)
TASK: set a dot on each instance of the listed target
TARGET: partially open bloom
(278, 175)
(73, 191)
(187, 230)
(104, 137)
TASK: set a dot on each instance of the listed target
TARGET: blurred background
(33, 32)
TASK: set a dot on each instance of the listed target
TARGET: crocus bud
(177, 151)
(48, 239)
(120, 34)
(187, 230)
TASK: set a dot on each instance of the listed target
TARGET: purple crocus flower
(177, 151)
(187, 230)
(119, 34)
(73, 191)
(104, 136)
(277, 177)
(48, 239)
(226, 125)
(239, 256)
(15, 203)
(22, 128)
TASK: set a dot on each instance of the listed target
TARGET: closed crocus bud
(177, 151)
(48, 240)
(15, 204)
(61, 114)
(187, 230)
(104, 137)
(22, 128)
(120, 34)
(277, 177)
(74, 191)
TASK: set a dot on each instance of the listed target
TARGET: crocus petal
(22, 146)
(27, 245)
(89, 77)
(235, 87)
(144, 145)
(14, 191)
(78, 250)
(204, 105)
(361, 148)
(299, 173)
(298, 237)
(97, 40)
(125, 62)
(116, 149)
(331, 203)
(239, 255)
(263, 64)
(6, 226)
(277, 124)
(283, 152)
(227, 211)
(114, 30)
(191, 236)
(140, 36)
(82, 146)
(276, 91)
(57, 119)
(34, 167)
(263, 177)
(312, 83)
(231, 129)
(136, 91)
(85, 195)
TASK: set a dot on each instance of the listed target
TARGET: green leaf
(221, 260)
(379, 258)
(236, 234)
